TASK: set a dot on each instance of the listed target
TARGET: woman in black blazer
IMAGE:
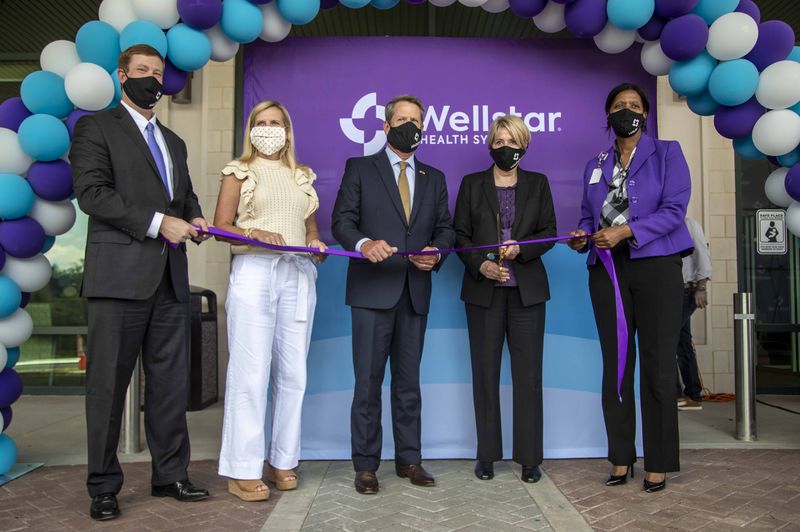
(506, 299)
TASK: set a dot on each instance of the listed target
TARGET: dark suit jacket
(118, 186)
(368, 206)
(475, 222)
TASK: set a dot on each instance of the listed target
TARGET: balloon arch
(717, 53)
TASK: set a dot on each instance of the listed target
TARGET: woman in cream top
(267, 196)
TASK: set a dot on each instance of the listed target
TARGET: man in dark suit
(131, 178)
(391, 202)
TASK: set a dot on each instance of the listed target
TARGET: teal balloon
(117, 91)
(691, 77)
(794, 55)
(702, 104)
(49, 241)
(630, 14)
(98, 42)
(733, 82)
(143, 32)
(354, 4)
(241, 21)
(711, 10)
(299, 12)
(44, 92)
(384, 4)
(189, 49)
(13, 357)
(44, 137)
(10, 297)
(790, 159)
(796, 108)
(16, 196)
(8, 454)
(745, 148)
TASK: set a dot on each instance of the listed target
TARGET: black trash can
(203, 373)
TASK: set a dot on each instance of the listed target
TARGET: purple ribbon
(622, 324)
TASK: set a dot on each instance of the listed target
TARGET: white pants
(270, 305)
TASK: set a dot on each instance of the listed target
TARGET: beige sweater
(273, 199)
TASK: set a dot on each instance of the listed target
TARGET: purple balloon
(674, 8)
(775, 43)
(527, 8)
(73, 117)
(792, 182)
(2, 257)
(749, 7)
(51, 181)
(26, 298)
(5, 412)
(12, 113)
(737, 122)
(174, 78)
(586, 18)
(652, 30)
(565, 1)
(328, 4)
(200, 14)
(21, 238)
(10, 387)
(685, 37)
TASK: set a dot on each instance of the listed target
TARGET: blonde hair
(287, 155)
(515, 127)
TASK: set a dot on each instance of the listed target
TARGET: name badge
(597, 173)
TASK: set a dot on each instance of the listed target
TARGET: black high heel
(618, 480)
(652, 487)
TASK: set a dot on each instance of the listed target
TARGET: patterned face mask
(268, 139)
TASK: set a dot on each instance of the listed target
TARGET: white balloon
(276, 28)
(16, 329)
(551, 19)
(793, 218)
(779, 85)
(89, 87)
(442, 3)
(59, 57)
(639, 39)
(775, 188)
(118, 13)
(473, 3)
(654, 60)
(162, 13)
(30, 275)
(13, 160)
(222, 48)
(3, 357)
(732, 36)
(777, 132)
(613, 40)
(55, 217)
(495, 6)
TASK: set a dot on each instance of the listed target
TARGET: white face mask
(268, 139)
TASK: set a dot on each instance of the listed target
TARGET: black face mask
(626, 123)
(405, 138)
(144, 92)
(507, 158)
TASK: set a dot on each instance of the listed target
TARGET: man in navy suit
(391, 202)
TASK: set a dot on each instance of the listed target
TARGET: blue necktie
(157, 157)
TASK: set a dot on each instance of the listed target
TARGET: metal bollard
(744, 321)
(130, 441)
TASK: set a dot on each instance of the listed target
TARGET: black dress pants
(652, 292)
(687, 356)
(506, 317)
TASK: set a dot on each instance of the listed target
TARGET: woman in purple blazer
(635, 196)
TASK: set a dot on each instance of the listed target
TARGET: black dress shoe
(484, 470)
(531, 473)
(104, 507)
(183, 490)
(416, 473)
(366, 482)
(652, 487)
(617, 480)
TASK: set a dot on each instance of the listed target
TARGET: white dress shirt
(141, 123)
(697, 266)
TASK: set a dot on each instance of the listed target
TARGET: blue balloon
(384, 4)
(691, 77)
(711, 10)
(49, 241)
(13, 357)
(790, 159)
(354, 4)
(44, 137)
(10, 297)
(98, 42)
(733, 82)
(143, 32)
(300, 12)
(117, 91)
(16, 196)
(630, 14)
(241, 21)
(702, 104)
(189, 49)
(794, 55)
(8, 454)
(44, 92)
(746, 149)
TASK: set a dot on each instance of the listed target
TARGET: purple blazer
(659, 188)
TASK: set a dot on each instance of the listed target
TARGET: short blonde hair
(515, 127)
(287, 154)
